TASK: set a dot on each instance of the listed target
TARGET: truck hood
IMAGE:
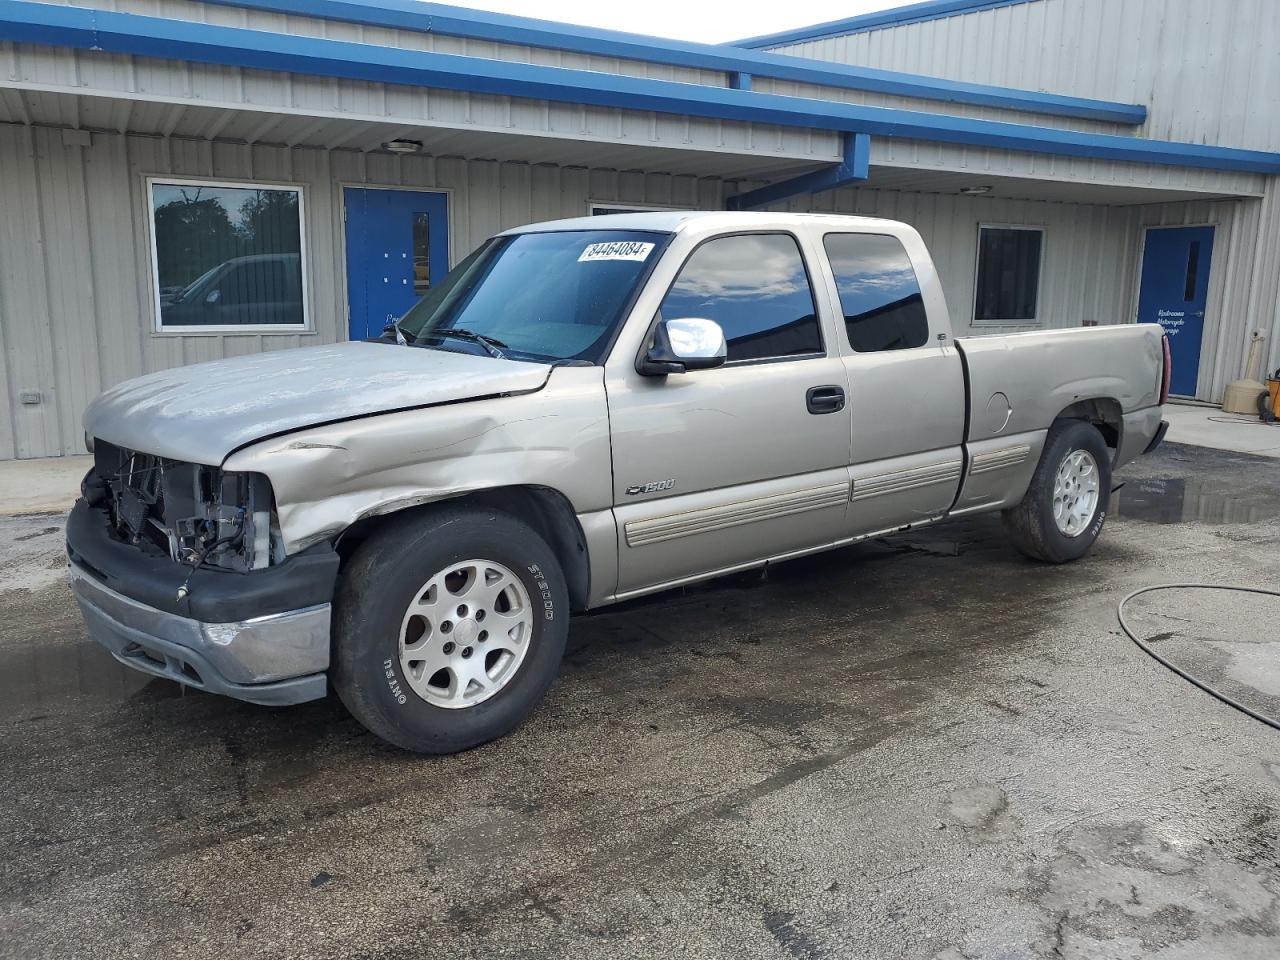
(203, 412)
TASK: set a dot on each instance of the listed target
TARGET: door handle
(829, 399)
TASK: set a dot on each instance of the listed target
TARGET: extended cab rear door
(718, 468)
(906, 382)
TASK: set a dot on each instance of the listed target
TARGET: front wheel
(1065, 506)
(449, 629)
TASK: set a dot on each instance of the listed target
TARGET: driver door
(720, 468)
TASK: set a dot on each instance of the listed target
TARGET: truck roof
(674, 221)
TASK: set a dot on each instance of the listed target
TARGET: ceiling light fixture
(403, 146)
(975, 191)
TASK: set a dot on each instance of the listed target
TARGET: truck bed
(1018, 383)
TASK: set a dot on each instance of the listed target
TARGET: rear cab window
(880, 296)
(757, 288)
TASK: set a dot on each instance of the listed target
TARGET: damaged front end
(180, 571)
(195, 514)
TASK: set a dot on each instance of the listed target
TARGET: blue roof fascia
(880, 20)
(124, 33)
(526, 31)
(855, 168)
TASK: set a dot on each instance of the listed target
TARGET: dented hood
(203, 412)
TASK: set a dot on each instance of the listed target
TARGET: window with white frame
(227, 256)
(1007, 290)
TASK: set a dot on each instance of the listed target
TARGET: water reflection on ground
(1183, 500)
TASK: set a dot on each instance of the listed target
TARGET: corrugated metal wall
(75, 296)
(253, 93)
(73, 249)
(228, 16)
(154, 80)
(1092, 257)
(1208, 72)
(1082, 244)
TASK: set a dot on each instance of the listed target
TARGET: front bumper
(261, 636)
(276, 659)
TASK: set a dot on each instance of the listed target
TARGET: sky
(706, 22)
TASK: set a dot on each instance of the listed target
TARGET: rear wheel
(1065, 506)
(449, 630)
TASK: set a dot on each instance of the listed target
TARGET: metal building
(181, 181)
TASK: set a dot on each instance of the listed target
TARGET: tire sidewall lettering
(393, 682)
(1098, 521)
(544, 591)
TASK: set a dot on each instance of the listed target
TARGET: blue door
(397, 249)
(1175, 281)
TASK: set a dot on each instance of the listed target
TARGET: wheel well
(548, 512)
(1104, 413)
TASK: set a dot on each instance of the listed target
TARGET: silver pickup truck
(582, 412)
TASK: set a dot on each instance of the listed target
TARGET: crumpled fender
(326, 478)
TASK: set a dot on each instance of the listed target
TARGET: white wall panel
(1207, 70)
(1091, 260)
(75, 289)
(156, 86)
(405, 39)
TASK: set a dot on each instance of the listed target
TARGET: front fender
(326, 478)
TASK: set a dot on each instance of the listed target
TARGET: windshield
(541, 296)
(194, 284)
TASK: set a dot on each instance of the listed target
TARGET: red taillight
(1166, 370)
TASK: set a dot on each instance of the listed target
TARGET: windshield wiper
(490, 344)
(392, 329)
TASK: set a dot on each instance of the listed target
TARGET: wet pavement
(924, 747)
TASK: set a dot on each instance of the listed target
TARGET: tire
(437, 564)
(1265, 413)
(1033, 526)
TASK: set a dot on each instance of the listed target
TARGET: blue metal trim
(525, 31)
(857, 155)
(125, 33)
(881, 19)
(853, 169)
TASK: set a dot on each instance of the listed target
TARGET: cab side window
(756, 287)
(879, 294)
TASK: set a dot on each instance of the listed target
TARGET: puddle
(37, 681)
(1177, 500)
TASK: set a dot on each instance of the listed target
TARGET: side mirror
(214, 296)
(679, 345)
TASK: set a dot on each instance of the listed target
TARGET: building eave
(544, 34)
(130, 34)
(866, 22)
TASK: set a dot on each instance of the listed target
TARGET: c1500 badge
(654, 486)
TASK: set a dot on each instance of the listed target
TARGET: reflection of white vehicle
(260, 289)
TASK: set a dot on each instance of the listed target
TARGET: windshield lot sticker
(616, 250)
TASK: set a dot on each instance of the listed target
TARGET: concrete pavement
(1205, 426)
(48, 485)
(926, 747)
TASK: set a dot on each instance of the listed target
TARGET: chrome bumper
(275, 659)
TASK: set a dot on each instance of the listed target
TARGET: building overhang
(161, 38)
(767, 178)
(231, 126)
(738, 64)
(879, 20)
